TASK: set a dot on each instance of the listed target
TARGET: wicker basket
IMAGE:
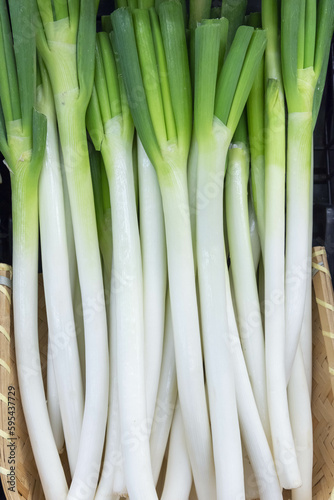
(27, 483)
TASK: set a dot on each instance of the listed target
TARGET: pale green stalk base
(178, 478)
(166, 399)
(192, 190)
(297, 228)
(187, 340)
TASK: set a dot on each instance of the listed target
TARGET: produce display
(164, 160)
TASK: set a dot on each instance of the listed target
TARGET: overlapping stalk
(162, 116)
(307, 28)
(22, 141)
(66, 42)
(153, 246)
(244, 273)
(109, 114)
(63, 353)
(217, 112)
(274, 258)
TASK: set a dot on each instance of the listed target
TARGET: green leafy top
(22, 128)
(307, 28)
(108, 97)
(66, 41)
(154, 62)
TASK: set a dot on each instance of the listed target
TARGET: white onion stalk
(274, 264)
(251, 488)
(153, 247)
(244, 277)
(53, 405)
(178, 478)
(163, 122)
(166, 398)
(254, 233)
(22, 142)
(307, 28)
(113, 461)
(252, 432)
(211, 279)
(274, 257)
(62, 347)
(109, 114)
(129, 312)
(301, 421)
(62, 44)
(214, 127)
(306, 344)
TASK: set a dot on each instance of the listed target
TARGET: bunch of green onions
(166, 162)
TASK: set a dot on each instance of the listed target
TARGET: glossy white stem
(153, 247)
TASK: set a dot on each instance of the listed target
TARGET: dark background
(323, 206)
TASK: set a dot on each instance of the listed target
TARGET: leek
(66, 42)
(166, 398)
(109, 114)
(307, 28)
(217, 112)
(178, 478)
(153, 246)
(162, 116)
(22, 141)
(62, 345)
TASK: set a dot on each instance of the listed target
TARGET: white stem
(274, 269)
(166, 399)
(153, 247)
(251, 488)
(63, 348)
(79, 327)
(244, 277)
(178, 478)
(211, 278)
(53, 405)
(254, 233)
(28, 364)
(113, 460)
(252, 432)
(117, 156)
(192, 189)
(301, 421)
(306, 331)
(187, 340)
(297, 267)
(76, 161)
(69, 228)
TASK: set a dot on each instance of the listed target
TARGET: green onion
(22, 140)
(170, 162)
(62, 344)
(67, 47)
